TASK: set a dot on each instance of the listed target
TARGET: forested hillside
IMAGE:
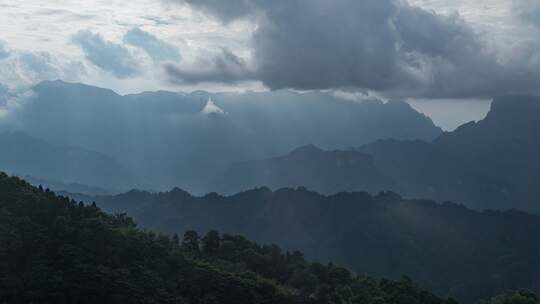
(447, 247)
(54, 250)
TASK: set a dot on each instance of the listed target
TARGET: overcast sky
(418, 50)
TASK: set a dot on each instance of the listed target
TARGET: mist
(186, 139)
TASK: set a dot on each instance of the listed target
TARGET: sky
(440, 55)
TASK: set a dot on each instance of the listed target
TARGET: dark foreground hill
(453, 250)
(490, 164)
(54, 250)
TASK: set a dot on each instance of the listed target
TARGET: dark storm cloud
(328, 44)
(106, 55)
(431, 34)
(223, 68)
(157, 49)
(381, 45)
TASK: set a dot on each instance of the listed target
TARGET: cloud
(158, 49)
(40, 63)
(226, 11)
(4, 51)
(530, 12)
(24, 68)
(226, 67)
(211, 108)
(382, 45)
(20, 69)
(157, 20)
(107, 55)
(3, 95)
(328, 45)
(11, 104)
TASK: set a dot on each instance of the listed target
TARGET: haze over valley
(270, 152)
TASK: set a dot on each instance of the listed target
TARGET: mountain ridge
(26, 155)
(454, 250)
(56, 250)
(167, 139)
(484, 164)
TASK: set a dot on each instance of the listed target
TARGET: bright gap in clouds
(451, 113)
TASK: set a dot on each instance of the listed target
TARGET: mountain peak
(307, 149)
(180, 192)
(74, 87)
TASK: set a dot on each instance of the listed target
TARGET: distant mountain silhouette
(308, 166)
(183, 139)
(69, 187)
(492, 164)
(449, 248)
(25, 155)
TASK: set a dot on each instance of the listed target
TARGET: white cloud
(11, 104)
(212, 108)
(22, 69)
(48, 27)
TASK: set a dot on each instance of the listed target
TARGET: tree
(211, 242)
(190, 243)
(518, 297)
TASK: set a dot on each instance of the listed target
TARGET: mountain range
(489, 164)
(363, 157)
(55, 250)
(24, 155)
(453, 250)
(169, 139)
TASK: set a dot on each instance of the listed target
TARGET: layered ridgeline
(22, 154)
(176, 139)
(57, 251)
(491, 164)
(453, 250)
(311, 167)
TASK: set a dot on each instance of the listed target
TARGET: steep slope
(26, 155)
(454, 250)
(57, 251)
(308, 166)
(490, 164)
(58, 186)
(181, 139)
